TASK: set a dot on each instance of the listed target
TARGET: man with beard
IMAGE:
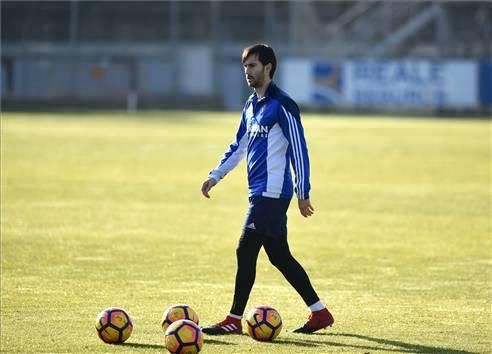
(271, 135)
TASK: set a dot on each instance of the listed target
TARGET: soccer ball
(178, 312)
(114, 325)
(263, 323)
(184, 337)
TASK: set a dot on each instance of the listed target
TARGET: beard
(255, 82)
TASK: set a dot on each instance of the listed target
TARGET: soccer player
(271, 136)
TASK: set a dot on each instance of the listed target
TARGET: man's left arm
(290, 122)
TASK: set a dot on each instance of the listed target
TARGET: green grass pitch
(102, 210)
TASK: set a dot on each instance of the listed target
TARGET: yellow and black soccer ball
(263, 323)
(114, 325)
(184, 337)
(178, 312)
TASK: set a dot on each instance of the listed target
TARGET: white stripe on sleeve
(296, 147)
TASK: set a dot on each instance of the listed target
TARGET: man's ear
(268, 68)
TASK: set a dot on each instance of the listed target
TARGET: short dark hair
(265, 54)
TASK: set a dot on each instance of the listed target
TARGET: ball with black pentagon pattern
(184, 337)
(114, 325)
(178, 312)
(263, 323)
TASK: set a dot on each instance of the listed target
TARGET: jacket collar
(268, 92)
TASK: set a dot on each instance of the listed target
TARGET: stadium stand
(120, 44)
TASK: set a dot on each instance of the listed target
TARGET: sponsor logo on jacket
(258, 130)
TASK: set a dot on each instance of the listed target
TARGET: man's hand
(305, 207)
(207, 186)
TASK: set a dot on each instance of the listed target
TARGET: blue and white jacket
(272, 137)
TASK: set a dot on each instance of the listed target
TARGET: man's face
(255, 72)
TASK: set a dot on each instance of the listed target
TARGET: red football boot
(317, 320)
(230, 325)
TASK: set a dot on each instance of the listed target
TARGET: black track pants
(279, 254)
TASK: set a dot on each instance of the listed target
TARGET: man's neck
(260, 91)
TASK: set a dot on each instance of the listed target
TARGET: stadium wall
(108, 77)
(195, 77)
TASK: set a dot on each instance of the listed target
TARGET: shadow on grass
(215, 341)
(314, 343)
(299, 343)
(401, 347)
(161, 346)
(144, 345)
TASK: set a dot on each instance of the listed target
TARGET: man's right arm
(232, 157)
(207, 186)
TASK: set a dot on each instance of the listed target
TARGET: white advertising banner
(410, 83)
